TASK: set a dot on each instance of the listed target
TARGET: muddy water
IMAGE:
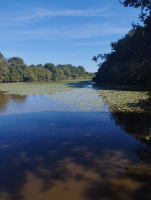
(72, 145)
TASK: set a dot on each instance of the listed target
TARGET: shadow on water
(135, 124)
(122, 87)
(66, 155)
(138, 125)
(80, 84)
(144, 104)
(136, 182)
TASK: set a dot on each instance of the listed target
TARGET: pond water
(74, 143)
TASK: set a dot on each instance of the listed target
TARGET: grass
(80, 79)
(87, 77)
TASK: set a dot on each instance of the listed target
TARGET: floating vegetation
(33, 88)
(84, 98)
(121, 101)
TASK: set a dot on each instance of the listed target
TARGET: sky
(62, 31)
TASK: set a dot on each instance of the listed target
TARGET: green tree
(80, 71)
(18, 69)
(66, 72)
(14, 75)
(40, 65)
(129, 61)
(1, 56)
(4, 70)
(30, 75)
(39, 73)
(14, 69)
(51, 67)
(48, 75)
(61, 74)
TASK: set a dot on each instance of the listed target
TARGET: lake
(74, 141)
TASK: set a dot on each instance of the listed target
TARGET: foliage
(4, 69)
(145, 6)
(14, 70)
(130, 58)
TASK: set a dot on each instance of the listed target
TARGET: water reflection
(3, 101)
(74, 155)
(137, 124)
(6, 98)
(64, 155)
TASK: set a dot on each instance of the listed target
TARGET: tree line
(130, 59)
(14, 69)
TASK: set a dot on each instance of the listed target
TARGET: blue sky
(62, 31)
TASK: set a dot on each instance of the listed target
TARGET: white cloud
(77, 32)
(75, 13)
(66, 32)
(34, 15)
(91, 43)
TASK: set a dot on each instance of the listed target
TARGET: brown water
(49, 150)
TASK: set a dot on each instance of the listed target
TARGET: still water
(72, 146)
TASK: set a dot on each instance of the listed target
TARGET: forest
(129, 62)
(15, 70)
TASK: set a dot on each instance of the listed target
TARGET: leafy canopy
(145, 6)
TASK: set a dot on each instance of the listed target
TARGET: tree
(51, 67)
(66, 72)
(130, 58)
(14, 75)
(61, 74)
(30, 75)
(48, 75)
(145, 6)
(18, 69)
(129, 61)
(4, 70)
(80, 71)
(14, 69)
(16, 60)
(1, 56)
(39, 73)
(40, 65)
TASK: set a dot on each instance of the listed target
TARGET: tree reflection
(5, 98)
(56, 155)
(3, 101)
(135, 124)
